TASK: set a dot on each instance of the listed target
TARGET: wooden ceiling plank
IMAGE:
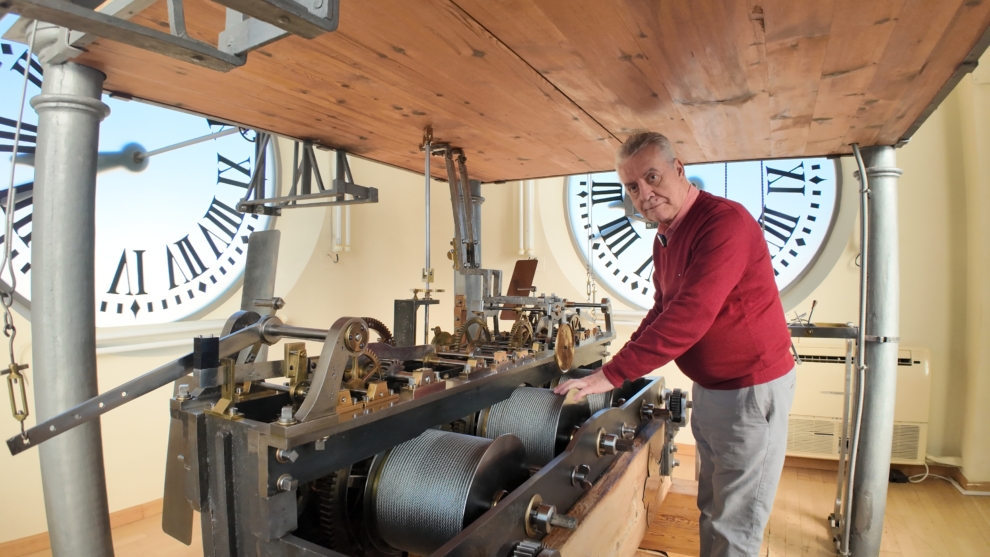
(709, 59)
(797, 39)
(485, 118)
(858, 37)
(920, 27)
(588, 62)
(958, 41)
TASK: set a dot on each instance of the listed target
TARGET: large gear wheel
(384, 334)
(360, 374)
(528, 548)
(465, 338)
(521, 334)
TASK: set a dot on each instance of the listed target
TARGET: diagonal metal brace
(77, 18)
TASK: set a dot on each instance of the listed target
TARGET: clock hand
(109, 160)
(142, 157)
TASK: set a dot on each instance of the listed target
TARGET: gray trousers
(741, 437)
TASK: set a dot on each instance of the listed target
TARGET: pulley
(423, 492)
(542, 420)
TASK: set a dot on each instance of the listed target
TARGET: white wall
(941, 298)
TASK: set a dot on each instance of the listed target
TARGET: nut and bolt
(627, 431)
(544, 518)
(286, 417)
(286, 455)
(183, 394)
(287, 483)
(612, 444)
(579, 476)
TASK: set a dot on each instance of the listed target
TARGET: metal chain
(15, 379)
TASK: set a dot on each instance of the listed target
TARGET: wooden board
(533, 88)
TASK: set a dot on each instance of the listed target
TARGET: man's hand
(590, 385)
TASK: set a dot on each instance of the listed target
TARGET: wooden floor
(929, 519)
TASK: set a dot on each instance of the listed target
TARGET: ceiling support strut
(62, 283)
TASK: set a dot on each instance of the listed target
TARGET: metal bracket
(467, 248)
(881, 339)
(72, 16)
(304, 173)
(307, 18)
(81, 26)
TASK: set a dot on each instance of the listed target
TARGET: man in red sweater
(717, 313)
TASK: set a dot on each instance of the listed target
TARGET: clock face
(169, 241)
(793, 200)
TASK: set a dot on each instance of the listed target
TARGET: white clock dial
(169, 241)
(794, 200)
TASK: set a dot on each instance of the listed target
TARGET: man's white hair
(638, 141)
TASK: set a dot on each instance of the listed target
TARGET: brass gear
(384, 334)
(463, 333)
(521, 334)
(359, 375)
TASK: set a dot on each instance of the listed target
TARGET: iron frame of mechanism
(231, 471)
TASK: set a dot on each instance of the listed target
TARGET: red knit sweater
(717, 311)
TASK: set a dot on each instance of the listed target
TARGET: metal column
(63, 328)
(883, 299)
(471, 286)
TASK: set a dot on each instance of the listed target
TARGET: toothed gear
(521, 334)
(381, 329)
(463, 333)
(527, 548)
(360, 374)
(676, 404)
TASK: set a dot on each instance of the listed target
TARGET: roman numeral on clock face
(618, 235)
(124, 273)
(229, 172)
(225, 221)
(26, 142)
(786, 181)
(26, 63)
(187, 261)
(778, 226)
(605, 192)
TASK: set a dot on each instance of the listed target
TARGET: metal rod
(63, 327)
(138, 157)
(428, 149)
(288, 331)
(90, 408)
(864, 255)
(839, 510)
(880, 387)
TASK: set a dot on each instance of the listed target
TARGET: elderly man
(717, 313)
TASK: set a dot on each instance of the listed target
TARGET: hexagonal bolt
(287, 483)
(284, 456)
(627, 431)
(286, 417)
(612, 444)
(647, 411)
(544, 518)
(183, 393)
(579, 476)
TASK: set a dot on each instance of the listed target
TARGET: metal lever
(97, 406)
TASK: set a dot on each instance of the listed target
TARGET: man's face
(656, 187)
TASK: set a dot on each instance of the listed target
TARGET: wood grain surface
(533, 88)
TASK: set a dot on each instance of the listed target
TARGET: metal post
(427, 270)
(883, 296)
(64, 305)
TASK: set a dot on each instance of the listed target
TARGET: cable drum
(599, 401)
(432, 487)
(539, 418)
